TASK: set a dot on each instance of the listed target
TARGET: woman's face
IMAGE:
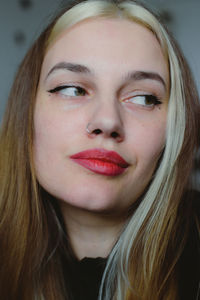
(100, 115)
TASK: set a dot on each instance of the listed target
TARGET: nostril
(97, 131)
(114, 134)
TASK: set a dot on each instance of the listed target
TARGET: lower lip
(100, 166)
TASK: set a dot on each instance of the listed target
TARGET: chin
(92, 201)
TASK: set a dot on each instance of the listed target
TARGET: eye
(69, 91)
(144, 100)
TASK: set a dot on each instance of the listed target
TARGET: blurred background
(21, 21)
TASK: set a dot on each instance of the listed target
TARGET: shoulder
(193, 217)
(190, 208)
(189, 263)
(195, 198)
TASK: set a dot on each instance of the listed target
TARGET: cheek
(54, 134)
(52, 129)
(148, 141)
(148, 145)
(153, 143)
(44, 135)
(47, 134)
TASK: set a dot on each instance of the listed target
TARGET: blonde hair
(142, 264)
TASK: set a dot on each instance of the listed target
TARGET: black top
(189, 262)
(86, 277)
(83, 278)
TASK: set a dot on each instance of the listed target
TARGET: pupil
(149, 100)
(79, 91)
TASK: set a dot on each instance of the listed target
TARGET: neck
(91, 234)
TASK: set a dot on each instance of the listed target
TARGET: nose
(106, 121)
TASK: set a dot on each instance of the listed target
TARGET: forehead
(102, 42)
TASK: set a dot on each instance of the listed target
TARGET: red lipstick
(101, 161)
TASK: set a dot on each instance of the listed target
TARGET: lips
(101, 161)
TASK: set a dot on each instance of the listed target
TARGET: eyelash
(148, 97)
(62, 87)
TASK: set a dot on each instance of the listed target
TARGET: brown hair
(31, 229)
(25, 219)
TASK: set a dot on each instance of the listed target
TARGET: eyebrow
(142, 75)
(78, 68)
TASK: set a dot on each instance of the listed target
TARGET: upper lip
(103, 155)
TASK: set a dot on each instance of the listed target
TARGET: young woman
(97, 148)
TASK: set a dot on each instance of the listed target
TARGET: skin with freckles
(111, 74)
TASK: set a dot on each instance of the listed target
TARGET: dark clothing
(83, 278)
(189, 262)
